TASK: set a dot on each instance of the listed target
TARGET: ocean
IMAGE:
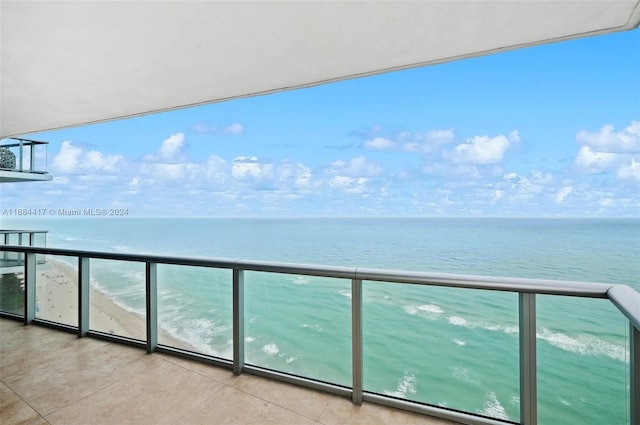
(443, 346)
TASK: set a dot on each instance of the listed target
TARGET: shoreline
(57, 301)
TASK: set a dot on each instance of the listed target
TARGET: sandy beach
(57, 301)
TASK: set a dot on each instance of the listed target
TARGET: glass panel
(57, 290)
(12, 283)
(195, 309)
(39, 239)
(40, 157)
(13, 238)
(299, 325)
(118, 298)
(11, 259)
(454, 348)
(582, 362)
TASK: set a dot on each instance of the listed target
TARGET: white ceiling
(71, 63)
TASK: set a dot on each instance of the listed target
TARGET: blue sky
(549, 131)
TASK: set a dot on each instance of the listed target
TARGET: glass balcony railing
(21, 238)
(23, 155)
(353, 340)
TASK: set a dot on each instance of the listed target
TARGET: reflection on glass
(299, 325)
(12, 284)
(443, 346)
(582, 361)
(57, 290)
(118, 298)
(195, 309)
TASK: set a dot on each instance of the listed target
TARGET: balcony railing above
(20, 238)
(623, 297)
(23, 160)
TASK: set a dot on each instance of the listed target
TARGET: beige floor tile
(34, 346)
(342, 411)
(40, 421)
(90, 381)
(14, 411)
(56, 383)
(216, 373)
(306, 402)
(160, 393)
(234, 407)
(6, 323)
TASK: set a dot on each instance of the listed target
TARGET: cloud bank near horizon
(435, 172)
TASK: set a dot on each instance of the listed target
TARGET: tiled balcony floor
(53, 377)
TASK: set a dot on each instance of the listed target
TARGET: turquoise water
(443, 346)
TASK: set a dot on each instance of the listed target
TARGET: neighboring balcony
(23, 160)
(10, 260)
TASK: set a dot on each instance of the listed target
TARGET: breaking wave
(406, 385)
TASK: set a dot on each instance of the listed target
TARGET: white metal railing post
(83, 296)
(528, 364)
(32, 158)
(356, 340)
(634, 374)
(29, 287)
(151, 279)
(21, 148)
(238, 321)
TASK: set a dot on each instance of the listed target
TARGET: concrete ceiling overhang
(71, 63)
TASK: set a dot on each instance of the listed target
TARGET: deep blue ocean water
(443, 346)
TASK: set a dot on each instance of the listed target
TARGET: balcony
(23, 160)
(55, 378)
(147, 377)
(14, 262)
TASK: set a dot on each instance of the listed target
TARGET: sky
(546, 131)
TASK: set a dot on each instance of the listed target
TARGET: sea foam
(493, 408)
(584, 344)
(271, 349)
(406, 385)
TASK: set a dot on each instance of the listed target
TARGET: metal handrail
(626, 299)
(10, 231)
(505, 284)
(628, 302)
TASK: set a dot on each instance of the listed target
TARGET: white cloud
(356, 167)
(294, 175)
(444, 169)
(217, 169)
(610, 152)
(593, 161)
(98, 161)
(68, 158)
(423, 142)
(249, 167)
(172, 146)
(609, 140)
(349, 184)
(74, 159)
(204, 127)
(630, 171)
(564, 192)
(437, 136)
(380, 144)
(484, 149)
(170, 171)
(235, 128)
